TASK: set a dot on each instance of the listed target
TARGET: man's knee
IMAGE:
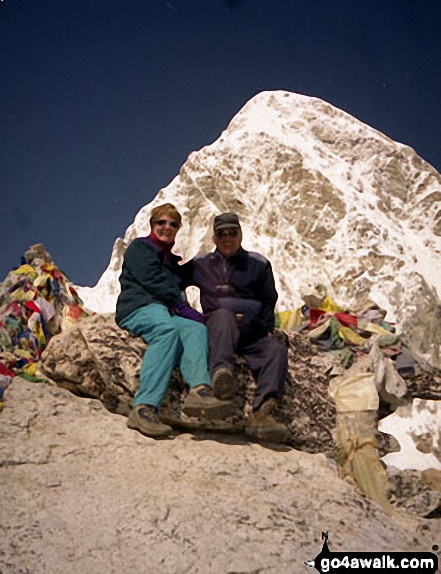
(221, 316)
(276, 351)
(281, 349)
(223, 335)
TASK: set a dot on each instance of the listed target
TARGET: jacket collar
(159, 250)
(239, 254)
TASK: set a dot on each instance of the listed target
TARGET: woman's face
(165, 228)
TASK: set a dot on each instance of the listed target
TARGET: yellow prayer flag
(25, 270)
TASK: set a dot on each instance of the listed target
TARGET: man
(238, 295)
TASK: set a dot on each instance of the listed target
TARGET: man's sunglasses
(162, 222)
(231, 233)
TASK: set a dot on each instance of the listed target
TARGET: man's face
(228, 240)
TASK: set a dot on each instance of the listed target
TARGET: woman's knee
(164, 331)
(199, 328)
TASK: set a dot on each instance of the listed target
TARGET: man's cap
(226, 220)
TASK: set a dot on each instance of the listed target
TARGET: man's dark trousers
(266, 357)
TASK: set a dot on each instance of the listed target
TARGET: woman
(151, 305)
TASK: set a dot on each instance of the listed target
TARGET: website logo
(397, 562)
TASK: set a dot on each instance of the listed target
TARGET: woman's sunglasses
(162, 222)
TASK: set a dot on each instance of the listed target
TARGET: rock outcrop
(97, 359)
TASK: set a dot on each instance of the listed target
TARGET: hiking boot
(200, 402)
(262, 425)
(145, 419)
(223, 384)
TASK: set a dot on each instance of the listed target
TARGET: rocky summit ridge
(327, 199)
(84, 494)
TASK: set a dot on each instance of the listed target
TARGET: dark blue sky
(101, 101)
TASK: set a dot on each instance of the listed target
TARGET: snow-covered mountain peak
(326, 198)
